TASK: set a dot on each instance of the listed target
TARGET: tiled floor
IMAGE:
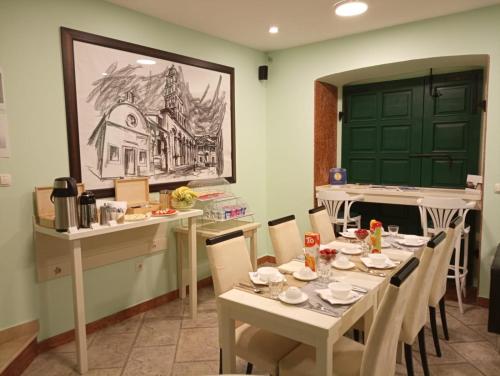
(165, 341)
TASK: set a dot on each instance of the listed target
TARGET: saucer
(326, 294)
(312, 277)
(301, 299)
(351, 251)
(254, 277)
(348, 235)
(412, 241)
(348, 265)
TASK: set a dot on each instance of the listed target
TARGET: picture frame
(135, 111)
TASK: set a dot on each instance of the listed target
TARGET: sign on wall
(134, 111)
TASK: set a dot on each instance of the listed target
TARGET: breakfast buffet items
(311, 249)
(136, 193)
(87, 210)
(183, 198)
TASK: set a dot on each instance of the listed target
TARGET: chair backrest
(286, 239)
(229, 260)
(333, 202)
(417, 306)
(441, 211)
(320, 223)
(379, 357)
(453, 235)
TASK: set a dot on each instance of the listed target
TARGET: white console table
(399, 196)
(74, 239)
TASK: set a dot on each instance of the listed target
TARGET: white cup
(342, 260)
(340, 290)
(378, 259)
(266, 272)
(293, 293)
(306, 272)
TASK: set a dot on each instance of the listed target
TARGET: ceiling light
(349, 8)
(104, 74)
(274, 29)
(146, 61)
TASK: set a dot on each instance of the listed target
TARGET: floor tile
(461, 369)
(71, 346)
(198, 344)
(204, 320)
(482, 355)
(158, 332)
(473, 315)
(457, 331)
(52, 364)
(104, 372)
(482, 330)
(130, 325)
(196, 368)
(172, 309)
(110, 350)
(150, 361)
(448, 354)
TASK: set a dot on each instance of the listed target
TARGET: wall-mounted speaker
(263, 69)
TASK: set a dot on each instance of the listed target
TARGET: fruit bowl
(182, 205)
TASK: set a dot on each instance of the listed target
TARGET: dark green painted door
(396, 133)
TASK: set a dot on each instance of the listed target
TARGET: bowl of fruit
(183, 198)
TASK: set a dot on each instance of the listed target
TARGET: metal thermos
(64, 198)
(87, 209)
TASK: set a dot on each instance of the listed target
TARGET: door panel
(410, 137)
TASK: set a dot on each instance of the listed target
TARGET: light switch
(497, 187)
(5, 180)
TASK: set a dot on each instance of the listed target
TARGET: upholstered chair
(416, 312)
(230, 263)
(320, 223)
(286, 239)
(378, 356)
(438, 288)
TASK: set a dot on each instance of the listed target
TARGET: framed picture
(135, 111)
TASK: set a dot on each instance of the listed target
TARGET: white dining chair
(378, 356)
(320, 223)
(230, 264)
(441, 211)
(285, 238)
(438, 289)
(338, 205)
(415, 317)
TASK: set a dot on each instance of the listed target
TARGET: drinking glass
(324, 270)
(393, 231)
(275, 285)
(361, 235)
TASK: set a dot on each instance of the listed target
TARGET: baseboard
(22, 361)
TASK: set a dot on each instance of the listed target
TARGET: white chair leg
(458, 286)
(466, 260)
(358, 222)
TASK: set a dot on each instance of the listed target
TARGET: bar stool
(338, 205)
(286, 239)
(441, 211)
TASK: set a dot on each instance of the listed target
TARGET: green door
(396, 133)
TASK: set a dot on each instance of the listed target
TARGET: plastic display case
(218, 202)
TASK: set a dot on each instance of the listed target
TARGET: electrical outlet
(5, 180)
(497, 187)
(139, 266)
(159, 244)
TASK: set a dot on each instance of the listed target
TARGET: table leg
(324, 358)
(227, 342)
(193, 288)
(253, 249)
(179, 238)
(79, 307)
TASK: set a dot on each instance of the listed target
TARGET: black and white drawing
(140, 115)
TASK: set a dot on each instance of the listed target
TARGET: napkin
(368, 263)
(326, 294)
(291, 267)
(254, 277)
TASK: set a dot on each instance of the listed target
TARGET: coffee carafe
(64, 198)
(87, 209)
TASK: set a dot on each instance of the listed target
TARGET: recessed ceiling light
(104, 74)
(274, 29)
(349, 8)
(146, 61)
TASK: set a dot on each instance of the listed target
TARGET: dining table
(316, 325)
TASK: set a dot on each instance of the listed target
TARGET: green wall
(31, 59)
(274, 134)
(290, 101)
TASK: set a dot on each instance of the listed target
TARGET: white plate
(326, 294)
(299, 300)
(351, 251)
(348, 265)
(368, 263)
(412, 242)
(254, 276)
(348, 235)
(302, 278)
